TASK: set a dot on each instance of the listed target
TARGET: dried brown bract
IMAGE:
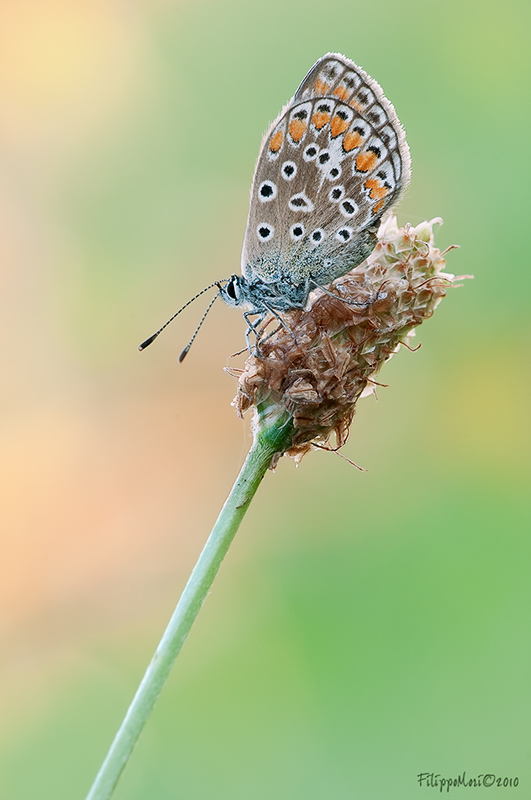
(337, 345)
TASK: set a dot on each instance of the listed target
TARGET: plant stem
(272, 436)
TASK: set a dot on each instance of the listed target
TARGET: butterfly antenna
(190, 343)
(152, 338)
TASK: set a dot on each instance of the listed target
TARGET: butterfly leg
(281, 321)
(252, 327)
(366, 304)
(264, 328)
(269, 335)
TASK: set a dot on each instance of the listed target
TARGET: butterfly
(330, 166)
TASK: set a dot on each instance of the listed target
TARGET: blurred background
(365, 627)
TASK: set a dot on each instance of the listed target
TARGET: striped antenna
(154, 336)
(190, 343)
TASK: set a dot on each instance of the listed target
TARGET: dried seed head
(344, 336)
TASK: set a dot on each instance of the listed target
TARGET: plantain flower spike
(308, 376)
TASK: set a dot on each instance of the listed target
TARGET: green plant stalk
(273, 435)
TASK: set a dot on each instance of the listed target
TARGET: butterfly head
(234, 291)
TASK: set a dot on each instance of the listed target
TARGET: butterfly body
(290, 288)
(332, 163)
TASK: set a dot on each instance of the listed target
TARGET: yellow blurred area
(68, 478)
(72, 451)
(63, 66)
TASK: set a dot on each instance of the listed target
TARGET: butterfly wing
(330, 165)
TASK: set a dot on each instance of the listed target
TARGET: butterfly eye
(231, 290)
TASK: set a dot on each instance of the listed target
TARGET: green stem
(273, 436)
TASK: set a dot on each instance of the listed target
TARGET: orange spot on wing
(320, 118)
(352, 140)
(377, 189)
(341, 92)
(320, 87)
(276, 141)
(366, 161)
(338, 125)
(297, 128)
(378, 207)
(357, 105)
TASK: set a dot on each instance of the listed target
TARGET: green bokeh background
(366, 627)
